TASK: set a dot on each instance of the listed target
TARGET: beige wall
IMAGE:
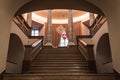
(7, 10)
(94, 40)
(85, 30)
(111, 9)
(25, 40)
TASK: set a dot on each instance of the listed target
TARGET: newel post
(27, 58)
(91, 58)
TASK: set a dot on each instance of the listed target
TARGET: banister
(11, 62)
(23, 20)
(22, 24)
(87, 49)
(31, 51)
(97, 24)
(88, 53)
(107, 62)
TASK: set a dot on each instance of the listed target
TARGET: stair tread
(79, 74)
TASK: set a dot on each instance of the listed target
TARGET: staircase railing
(31, 51)
(97, 24)
(22, 24)
(87, 49)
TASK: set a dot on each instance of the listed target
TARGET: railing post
(77, 41)
(91, 59)
(42, 42)
(27, 58)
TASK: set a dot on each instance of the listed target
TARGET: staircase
(59, 64)
(61, 60)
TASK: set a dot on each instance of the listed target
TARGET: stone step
(59, 76)
(55, 54)
(60, 53)
(67, 62)
(57, 68)
(58, 64)
(60, 57)
(58, 60)
(58, 71)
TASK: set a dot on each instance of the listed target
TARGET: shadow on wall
(103, 56)
(15, 55)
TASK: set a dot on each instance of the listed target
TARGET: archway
(43, 5)
(35, 5)
(103, 55)
(8, 9)
(15, 54)
(46, 1)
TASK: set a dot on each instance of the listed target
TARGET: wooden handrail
(107, 62)
(87, 49)
(11, 62)
(36, 37)
(31, 51)
(88, 53)
(21, 18)
(22, 24)
(97, 24)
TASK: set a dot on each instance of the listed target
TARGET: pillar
(92, 19)
(29, 19)
(70, 28)
(49, 30)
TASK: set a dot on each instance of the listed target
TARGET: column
(29, 19)
(49, 31)
(92, 18)
(70, 28)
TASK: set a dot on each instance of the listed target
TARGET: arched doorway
(15, 54)
(103, 55)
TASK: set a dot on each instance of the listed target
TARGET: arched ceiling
(36, 5)
(60, 13)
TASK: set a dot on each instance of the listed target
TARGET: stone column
(29, 19)
(92, 18)
(49, 31)
(70, 28)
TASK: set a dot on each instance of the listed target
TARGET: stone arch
(35, 5)
(15, 54)
(103, 55)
